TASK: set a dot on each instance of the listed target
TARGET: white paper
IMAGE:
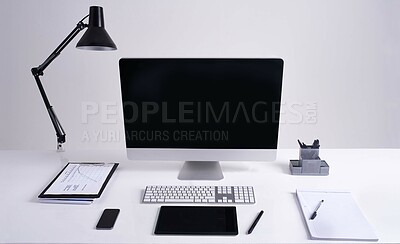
(338, 217)
(80, 178)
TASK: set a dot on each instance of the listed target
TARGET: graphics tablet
(200, 220)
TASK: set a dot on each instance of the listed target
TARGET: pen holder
(309, 154)
(309, 163)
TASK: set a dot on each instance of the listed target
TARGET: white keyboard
(199, 194)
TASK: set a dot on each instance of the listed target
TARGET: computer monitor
(201, 111)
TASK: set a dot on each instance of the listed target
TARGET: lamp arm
(54, 120)
(38, 71)
(79, 26)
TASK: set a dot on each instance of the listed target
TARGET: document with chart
(80, 180)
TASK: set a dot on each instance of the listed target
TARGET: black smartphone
(107, 219)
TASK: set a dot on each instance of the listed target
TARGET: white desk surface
(371, 175)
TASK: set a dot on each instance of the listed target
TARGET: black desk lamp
(95, 38)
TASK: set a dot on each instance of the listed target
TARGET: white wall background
(342, 56)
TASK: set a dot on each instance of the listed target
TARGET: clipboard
(79, 180)
(338, 218)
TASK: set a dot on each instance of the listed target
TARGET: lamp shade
(96, 37)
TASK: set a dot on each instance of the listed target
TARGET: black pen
(255, 222)
(315, 212)
(301, 146)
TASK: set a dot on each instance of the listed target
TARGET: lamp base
(60, 147)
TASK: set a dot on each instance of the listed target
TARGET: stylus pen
(315, 212)
(255, 222)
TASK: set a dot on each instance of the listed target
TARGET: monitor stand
(201, 170)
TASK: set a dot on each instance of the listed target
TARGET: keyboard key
(178, 200)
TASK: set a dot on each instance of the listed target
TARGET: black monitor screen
(201, 103)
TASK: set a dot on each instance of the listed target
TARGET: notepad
(78, 182)
(338, 218)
